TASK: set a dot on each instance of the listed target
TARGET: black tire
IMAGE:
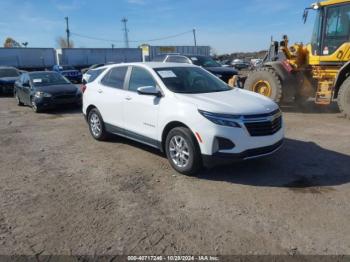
(100, 133)
(267, 75)
(344, 98)
(194, 160)
(18, 100)
(34, 106)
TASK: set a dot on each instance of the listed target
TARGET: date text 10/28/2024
(173, 258)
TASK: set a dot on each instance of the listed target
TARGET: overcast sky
(226, 25)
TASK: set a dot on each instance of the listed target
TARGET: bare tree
(62, 42)
(11, 43)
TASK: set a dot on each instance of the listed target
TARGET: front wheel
(344, 98)
(35, 107)
(183, 151)
(265, 81)
(18, 100)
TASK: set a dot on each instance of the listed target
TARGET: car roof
(151, 65)
(8, 67)
(188, 55)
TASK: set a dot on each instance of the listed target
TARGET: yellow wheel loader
(320, 69)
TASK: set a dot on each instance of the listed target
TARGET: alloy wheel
(179, 151)
(95, 125)
(34, 106)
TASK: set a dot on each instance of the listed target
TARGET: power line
(132, 41)
(96, 38)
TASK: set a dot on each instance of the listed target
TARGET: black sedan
(45, 90)
(8, 76)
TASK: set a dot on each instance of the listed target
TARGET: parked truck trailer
(28, 58)
(85, 57)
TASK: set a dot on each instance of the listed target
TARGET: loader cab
(331, 29)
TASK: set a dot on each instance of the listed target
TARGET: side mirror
(149, 91)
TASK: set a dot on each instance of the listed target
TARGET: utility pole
(125, 29)
(67, 31)
(194, 37)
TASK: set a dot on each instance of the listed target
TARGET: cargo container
(28, 58)
(150, 52)
(84, 57)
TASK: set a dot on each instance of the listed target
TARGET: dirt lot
(61, 192)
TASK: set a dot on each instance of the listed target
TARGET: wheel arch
(168, 127)
(88, 109)
(289, 80)
(343, 74)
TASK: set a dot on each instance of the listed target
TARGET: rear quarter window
(115, 77)
(93, 74)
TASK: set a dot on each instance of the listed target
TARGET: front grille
(7, 85)
(7, 88)
(65, 96)
(251, 153)
(264, 125)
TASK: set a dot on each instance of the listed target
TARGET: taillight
(83, 88)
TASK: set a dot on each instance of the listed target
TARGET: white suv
(183, 110)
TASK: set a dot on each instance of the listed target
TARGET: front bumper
(7, 89)
(52, 102)
(228, 158)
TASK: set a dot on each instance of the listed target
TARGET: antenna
(126, 31)
(67, 31)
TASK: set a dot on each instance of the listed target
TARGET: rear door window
(115, 77)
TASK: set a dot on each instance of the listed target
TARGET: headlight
(222, 119)
(42, 94)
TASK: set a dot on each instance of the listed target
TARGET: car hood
(57, 89)
(222, 70)
(8, 80)
(236, 101)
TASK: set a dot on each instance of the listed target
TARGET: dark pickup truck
(8, 77)
(68, 72)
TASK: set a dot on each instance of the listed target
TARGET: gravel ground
(61, 192)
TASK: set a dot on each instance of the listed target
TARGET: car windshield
(8, 72)
(190, 80)
(48, 79)
(204, 61)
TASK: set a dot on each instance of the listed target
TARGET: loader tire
(265, 81)
(344, 98)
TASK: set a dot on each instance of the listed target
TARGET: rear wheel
(96, 125)
(183, 151)
(265, 81)
(344, 98)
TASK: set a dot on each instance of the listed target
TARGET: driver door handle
(100, 91)
(128, 98)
